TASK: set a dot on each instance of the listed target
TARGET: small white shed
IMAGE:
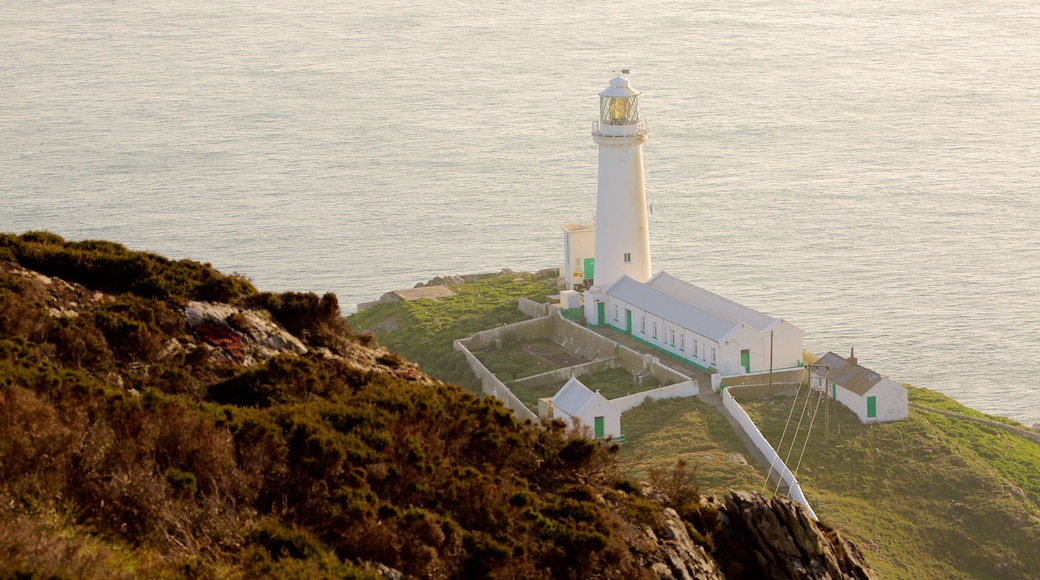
(872, 397)
(579, 252)
(575, 401)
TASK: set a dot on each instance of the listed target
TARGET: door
(590, 268)
(628, 321)
(601, 312)
(745, 360)
(871, 407)
(599, 427)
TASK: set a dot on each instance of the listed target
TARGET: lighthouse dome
(619, 87)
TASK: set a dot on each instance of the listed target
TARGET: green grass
(423, 330)
(927, 491)
(614, 383)
(660, 433)
(516, 360)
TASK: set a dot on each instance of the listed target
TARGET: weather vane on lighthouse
(622, 229)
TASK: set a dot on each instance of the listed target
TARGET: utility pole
(770, 361)
(827, 407)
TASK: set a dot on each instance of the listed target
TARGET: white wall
(738, 413)
(598, 407)
(892, 403)
(678, 390)
(577, 245)
(490, 385)
(682, 348)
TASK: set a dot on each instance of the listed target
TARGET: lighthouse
(622, 232)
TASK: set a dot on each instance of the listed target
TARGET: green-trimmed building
(700, 327)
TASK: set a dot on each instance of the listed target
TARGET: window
(655, 329)
(682, 342)
(713, 355)
(642, 324)
(615, 311)
(673, 337)
(628, 258)
(695, 347)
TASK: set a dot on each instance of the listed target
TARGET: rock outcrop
(776, 538)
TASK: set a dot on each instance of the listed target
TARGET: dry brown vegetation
(125, 455)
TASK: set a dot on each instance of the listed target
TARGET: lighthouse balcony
(638, 129)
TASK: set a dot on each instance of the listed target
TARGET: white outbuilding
(579, 254)
(700, 327)
(872, 397)
(575, 402)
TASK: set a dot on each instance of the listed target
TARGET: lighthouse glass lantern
(619, 110)
(619, 103)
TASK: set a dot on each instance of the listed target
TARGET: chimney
(852, 356)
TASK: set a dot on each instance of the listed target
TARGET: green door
(628, 321)
(590, 268)
(834, 391)
(871, 407)
(745, 360)
(599, 427)
(601, 312)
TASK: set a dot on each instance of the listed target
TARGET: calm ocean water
(868, 170)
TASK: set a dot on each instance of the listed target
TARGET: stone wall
(534, 309)
(490, 385)
(601, 351)
(561, 376)
(524, 330)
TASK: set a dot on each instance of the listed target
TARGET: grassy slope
(423, 330)
(938, 497)
(659, 433)
(920, 495)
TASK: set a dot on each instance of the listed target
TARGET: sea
(868, 170)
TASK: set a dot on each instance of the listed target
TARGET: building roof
(709, 301)
(580, 227)
(848, 375)
(688, 306)
(672, 309)
(573, 397)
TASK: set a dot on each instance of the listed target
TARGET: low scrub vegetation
(123, 455)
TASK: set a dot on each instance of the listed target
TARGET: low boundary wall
(1028, 434)
(782, 378)
(490, 385)
(687, 388)
(777, 464)
(579, 340)
(562, 375)
(534, 309)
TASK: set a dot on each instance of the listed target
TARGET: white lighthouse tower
(622, 232)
